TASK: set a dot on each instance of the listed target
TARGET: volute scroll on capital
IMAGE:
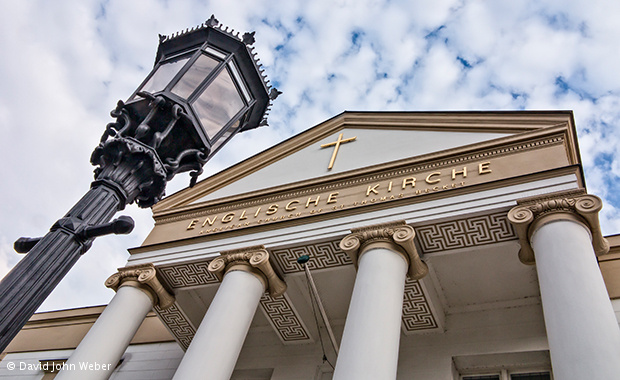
(254, 260)
(399, 238)
(145, 278)
(532, 213)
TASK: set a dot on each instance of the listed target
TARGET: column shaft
(109, 337)
(216, 345)
(369, 347)
(584, 338)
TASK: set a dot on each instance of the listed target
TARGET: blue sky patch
(604, 160)
(356, 37)
(563, 87)
(464, 62)
(434, 34)
(102, 11)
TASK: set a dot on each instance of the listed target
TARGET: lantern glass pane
(218, 104)
(163, 75)
(225, 136)
(200, 69)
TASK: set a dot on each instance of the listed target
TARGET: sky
(67, 63)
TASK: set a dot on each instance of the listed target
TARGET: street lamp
(205, 87)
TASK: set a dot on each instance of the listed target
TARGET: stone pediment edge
(517, 122)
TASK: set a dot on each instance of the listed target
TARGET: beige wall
(610, 267)
(64, 329)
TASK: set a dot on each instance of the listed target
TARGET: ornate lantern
(206, 86)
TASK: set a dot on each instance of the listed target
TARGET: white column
(369, 347)
(216, 345)
(562, 236)
(371, 337)
(99, 352)
(584, 338)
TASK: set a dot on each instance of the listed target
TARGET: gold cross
(336, 145)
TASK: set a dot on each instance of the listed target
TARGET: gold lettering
(315, 201)
(207, 220)
(407, 181)
(429, 180)
(288, 205)
(372, 189)
(483, 168)
(192, 224)
(462, 172)
(228, 217)
(272, 210)
(378, 192)
(332, 198)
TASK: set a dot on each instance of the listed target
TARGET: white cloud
(66, 64)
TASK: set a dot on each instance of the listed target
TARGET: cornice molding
(399, 238)
(143, 277)
(254, 260)
(532, 213)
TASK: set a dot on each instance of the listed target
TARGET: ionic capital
(532, 213)
(143, 277)
(254, 260)
(397, 237)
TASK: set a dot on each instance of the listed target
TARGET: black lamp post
(205, 87)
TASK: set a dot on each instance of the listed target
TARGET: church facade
(375, 245)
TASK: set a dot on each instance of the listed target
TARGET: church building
(373, 246)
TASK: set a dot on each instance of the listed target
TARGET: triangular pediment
(368, 140)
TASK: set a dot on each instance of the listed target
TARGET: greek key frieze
(188, 274)
(467, 232)
(178, 324)
(323, 255)
(417, 313)
(284, 319)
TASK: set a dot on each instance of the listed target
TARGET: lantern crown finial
(190, 37)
